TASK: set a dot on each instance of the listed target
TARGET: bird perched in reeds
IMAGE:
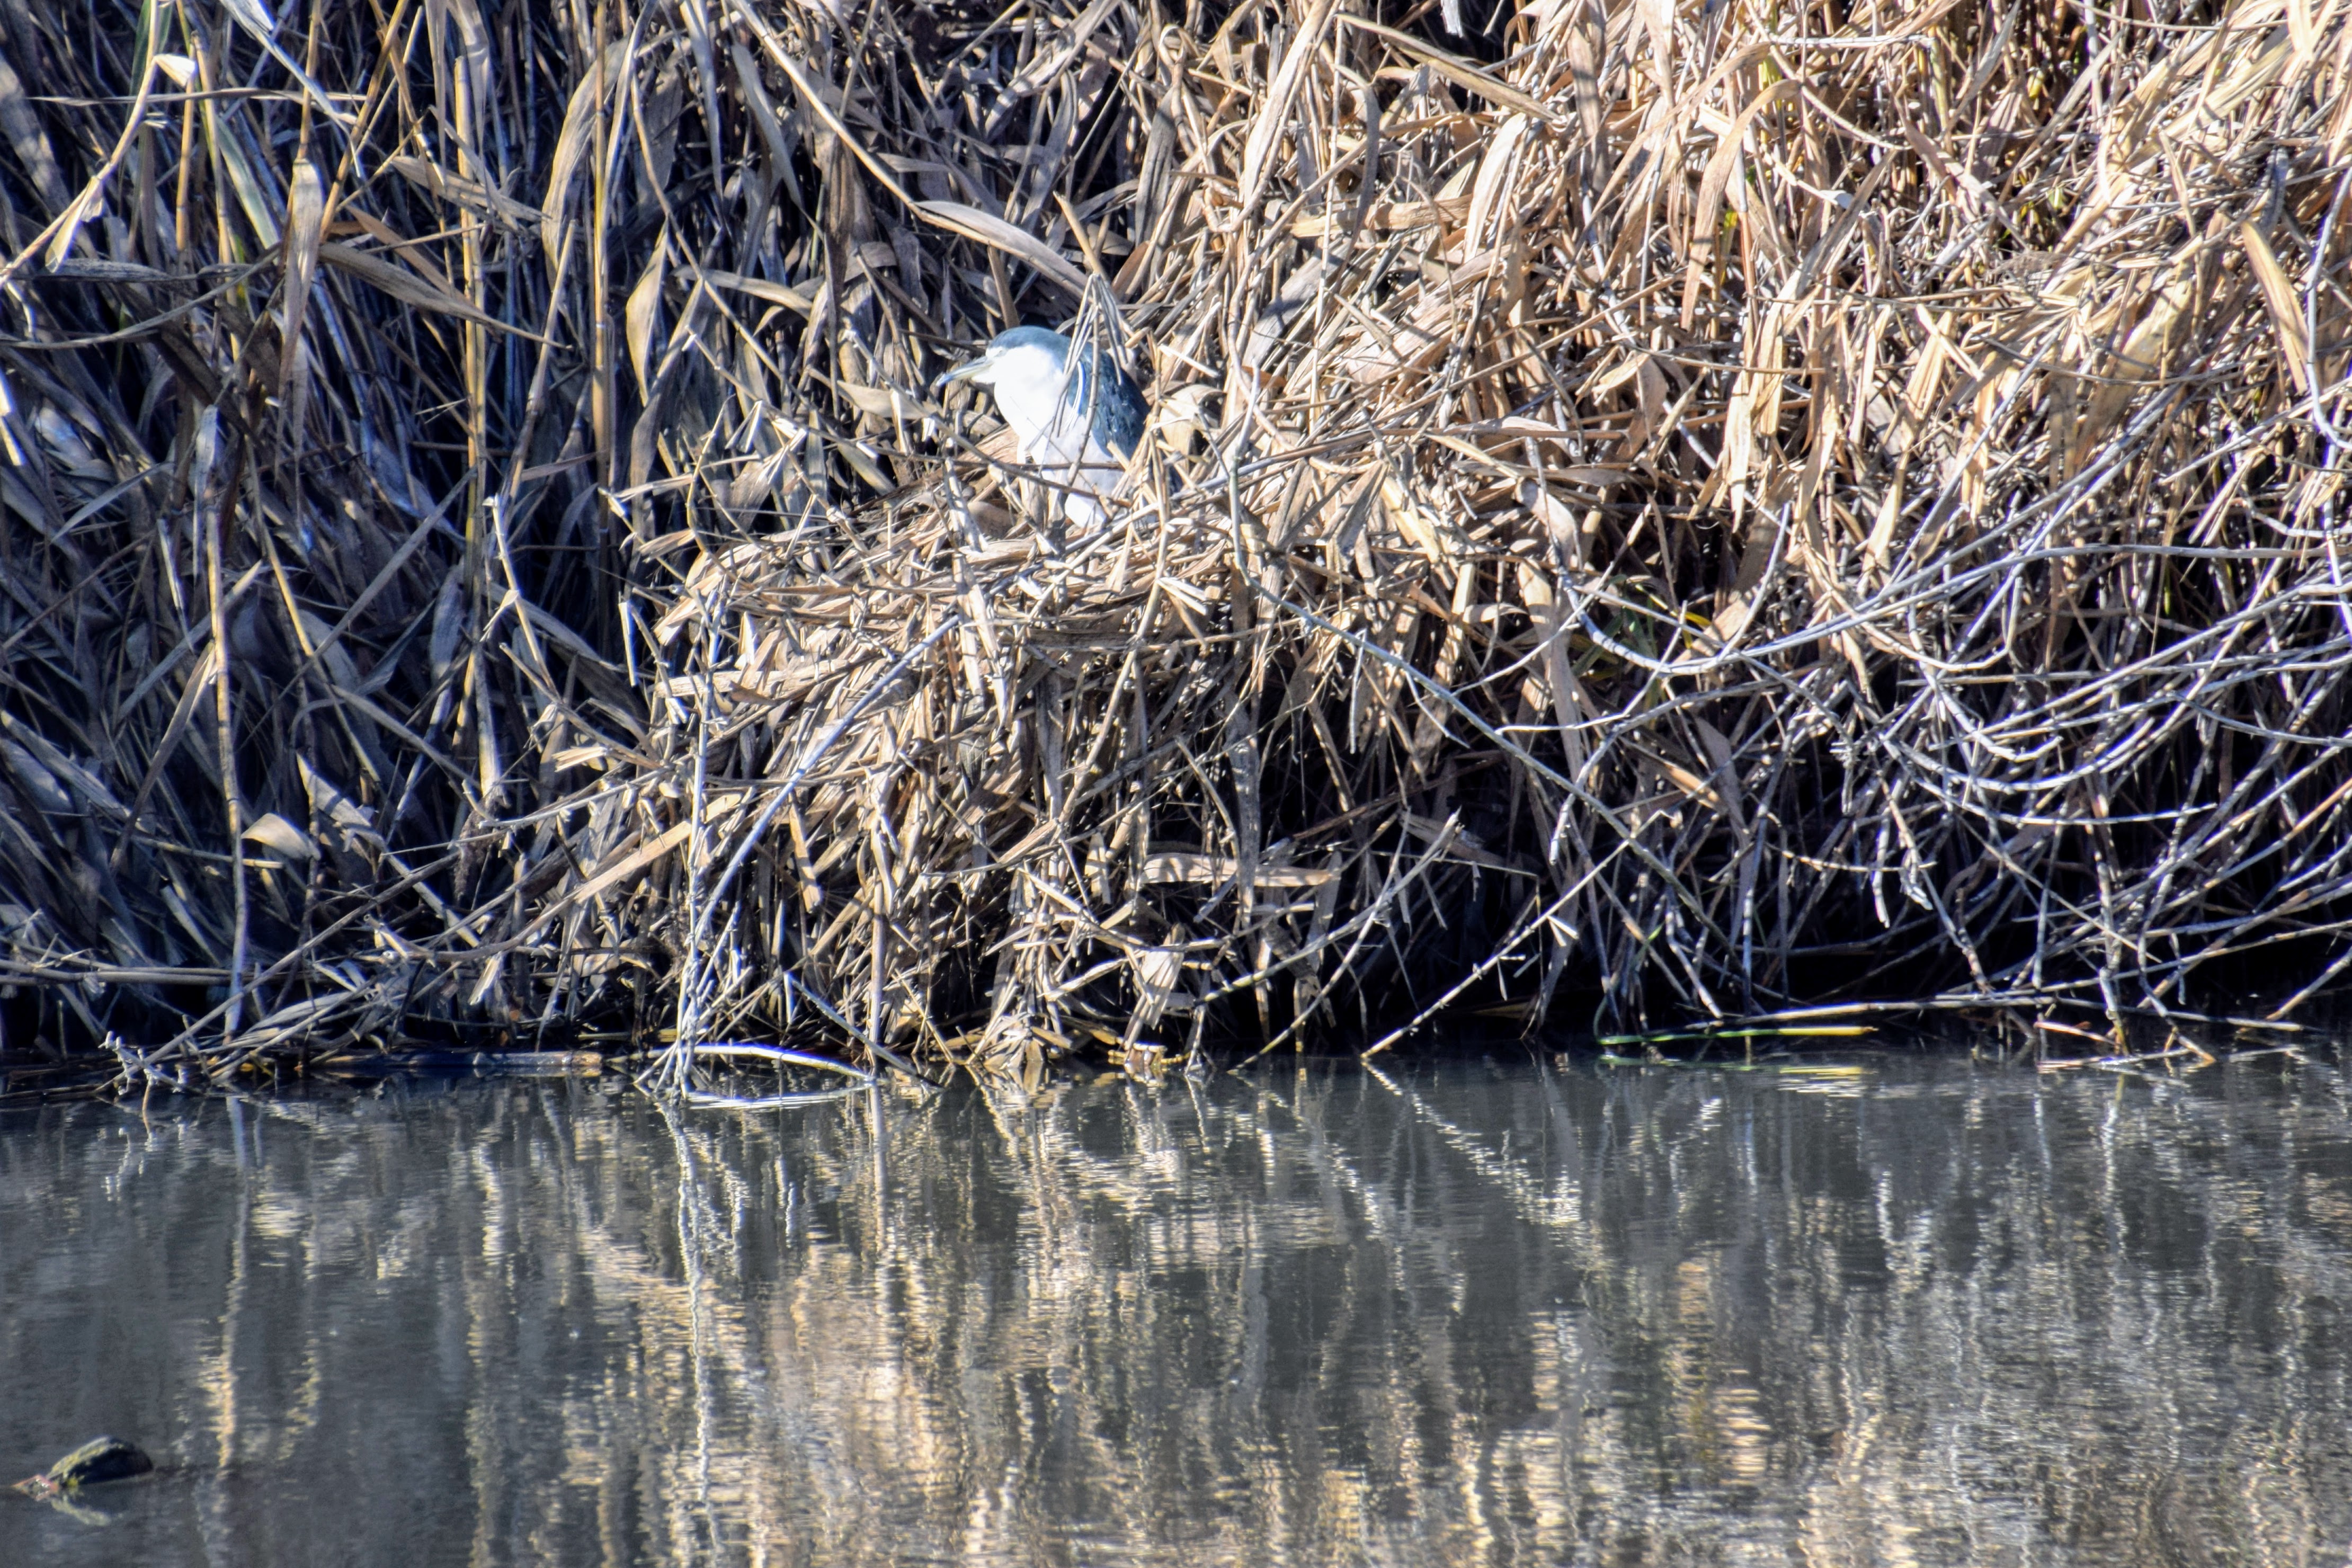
(1076, 414)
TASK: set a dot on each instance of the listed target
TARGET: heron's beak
(963, 372)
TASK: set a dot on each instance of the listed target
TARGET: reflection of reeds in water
(1308, 1319)
(1715, 507)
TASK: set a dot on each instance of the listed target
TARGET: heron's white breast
(1030, 387)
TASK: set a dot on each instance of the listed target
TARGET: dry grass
(1706, 510)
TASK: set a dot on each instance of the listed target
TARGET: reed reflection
(1493, 1313)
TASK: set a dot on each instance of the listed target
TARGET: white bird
(1076, 417)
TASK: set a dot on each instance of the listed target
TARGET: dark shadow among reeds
(1671, 508)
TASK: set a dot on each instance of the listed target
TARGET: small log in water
(96, 1462)
(1638, 509)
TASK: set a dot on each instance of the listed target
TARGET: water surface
(1510, 1311)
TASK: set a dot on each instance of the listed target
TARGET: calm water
(1937, 1312)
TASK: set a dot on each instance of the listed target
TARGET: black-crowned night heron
(1078, 422)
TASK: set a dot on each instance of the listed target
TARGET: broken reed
(1695, 510)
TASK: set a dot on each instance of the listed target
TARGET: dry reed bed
(1711, 510)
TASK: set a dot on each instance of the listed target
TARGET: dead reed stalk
(1703, 509)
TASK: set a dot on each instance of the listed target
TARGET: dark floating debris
(99, 1460)
(486, 1063)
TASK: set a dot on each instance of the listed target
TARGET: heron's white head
(1028, 368)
